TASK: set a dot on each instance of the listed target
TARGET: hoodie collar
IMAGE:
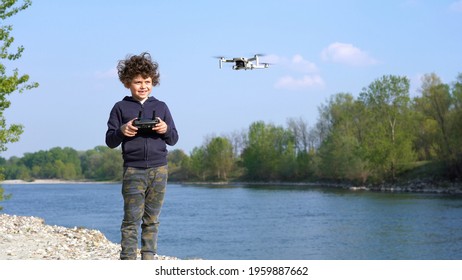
(130, 98)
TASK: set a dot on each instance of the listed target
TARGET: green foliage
(342, 154)
(102, 164)
(55, 163)
(179, 165)
(340, 159)
(440, 109)
(372, 138)
(98, 164)
(219, 157)
(3, 197)
(388, 141)
(10, 82)
(2, 192)
(270, 152)
(197, 167)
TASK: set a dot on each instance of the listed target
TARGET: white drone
(242, 63)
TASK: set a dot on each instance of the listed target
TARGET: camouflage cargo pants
(143, 192)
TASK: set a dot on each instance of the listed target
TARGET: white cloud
(347, 54)
(108, 74)
(296, 64)
(456, 6)
(302, 65)
(307, 81)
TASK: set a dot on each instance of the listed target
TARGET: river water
(264, 222)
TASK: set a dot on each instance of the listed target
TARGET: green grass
(423, 169)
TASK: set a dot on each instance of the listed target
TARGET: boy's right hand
(129, 129)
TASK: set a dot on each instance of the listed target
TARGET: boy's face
(140, 87)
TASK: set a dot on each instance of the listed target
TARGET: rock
(29, 238)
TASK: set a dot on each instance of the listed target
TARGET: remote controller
(146, 123)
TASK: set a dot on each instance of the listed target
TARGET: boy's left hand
(160, 127)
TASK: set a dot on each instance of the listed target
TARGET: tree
(388, 140)
(259, 155)
(178, 165)
(341, 155)
(304, 147)
(238, 140)
(102, 164)
(197, 166)
(456, 117)
(13, 81)
(270, 152)
(440, 107)
(300, 130)
(219, 157)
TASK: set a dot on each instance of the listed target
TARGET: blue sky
(318, 48)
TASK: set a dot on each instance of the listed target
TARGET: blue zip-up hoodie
(144, 150)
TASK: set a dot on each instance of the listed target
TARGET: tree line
(377, 136)
(98, 164)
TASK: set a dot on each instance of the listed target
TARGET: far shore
(53, 181)
(61, 181)
(413, 186)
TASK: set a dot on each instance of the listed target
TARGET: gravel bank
(29, 238)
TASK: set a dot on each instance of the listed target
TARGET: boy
(144, 153)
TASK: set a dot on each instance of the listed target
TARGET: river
(264, 222)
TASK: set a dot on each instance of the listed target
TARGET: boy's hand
(160, 127)
(129, 129)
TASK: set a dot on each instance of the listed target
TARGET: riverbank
(420, 186)
(29, 238)
(415, 186)
(412, 186)
(52, 181)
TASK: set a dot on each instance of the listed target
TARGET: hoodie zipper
(146, 151)
(145, 139)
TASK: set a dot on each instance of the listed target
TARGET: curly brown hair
(135, 65)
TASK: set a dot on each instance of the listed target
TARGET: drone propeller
(221, 59)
